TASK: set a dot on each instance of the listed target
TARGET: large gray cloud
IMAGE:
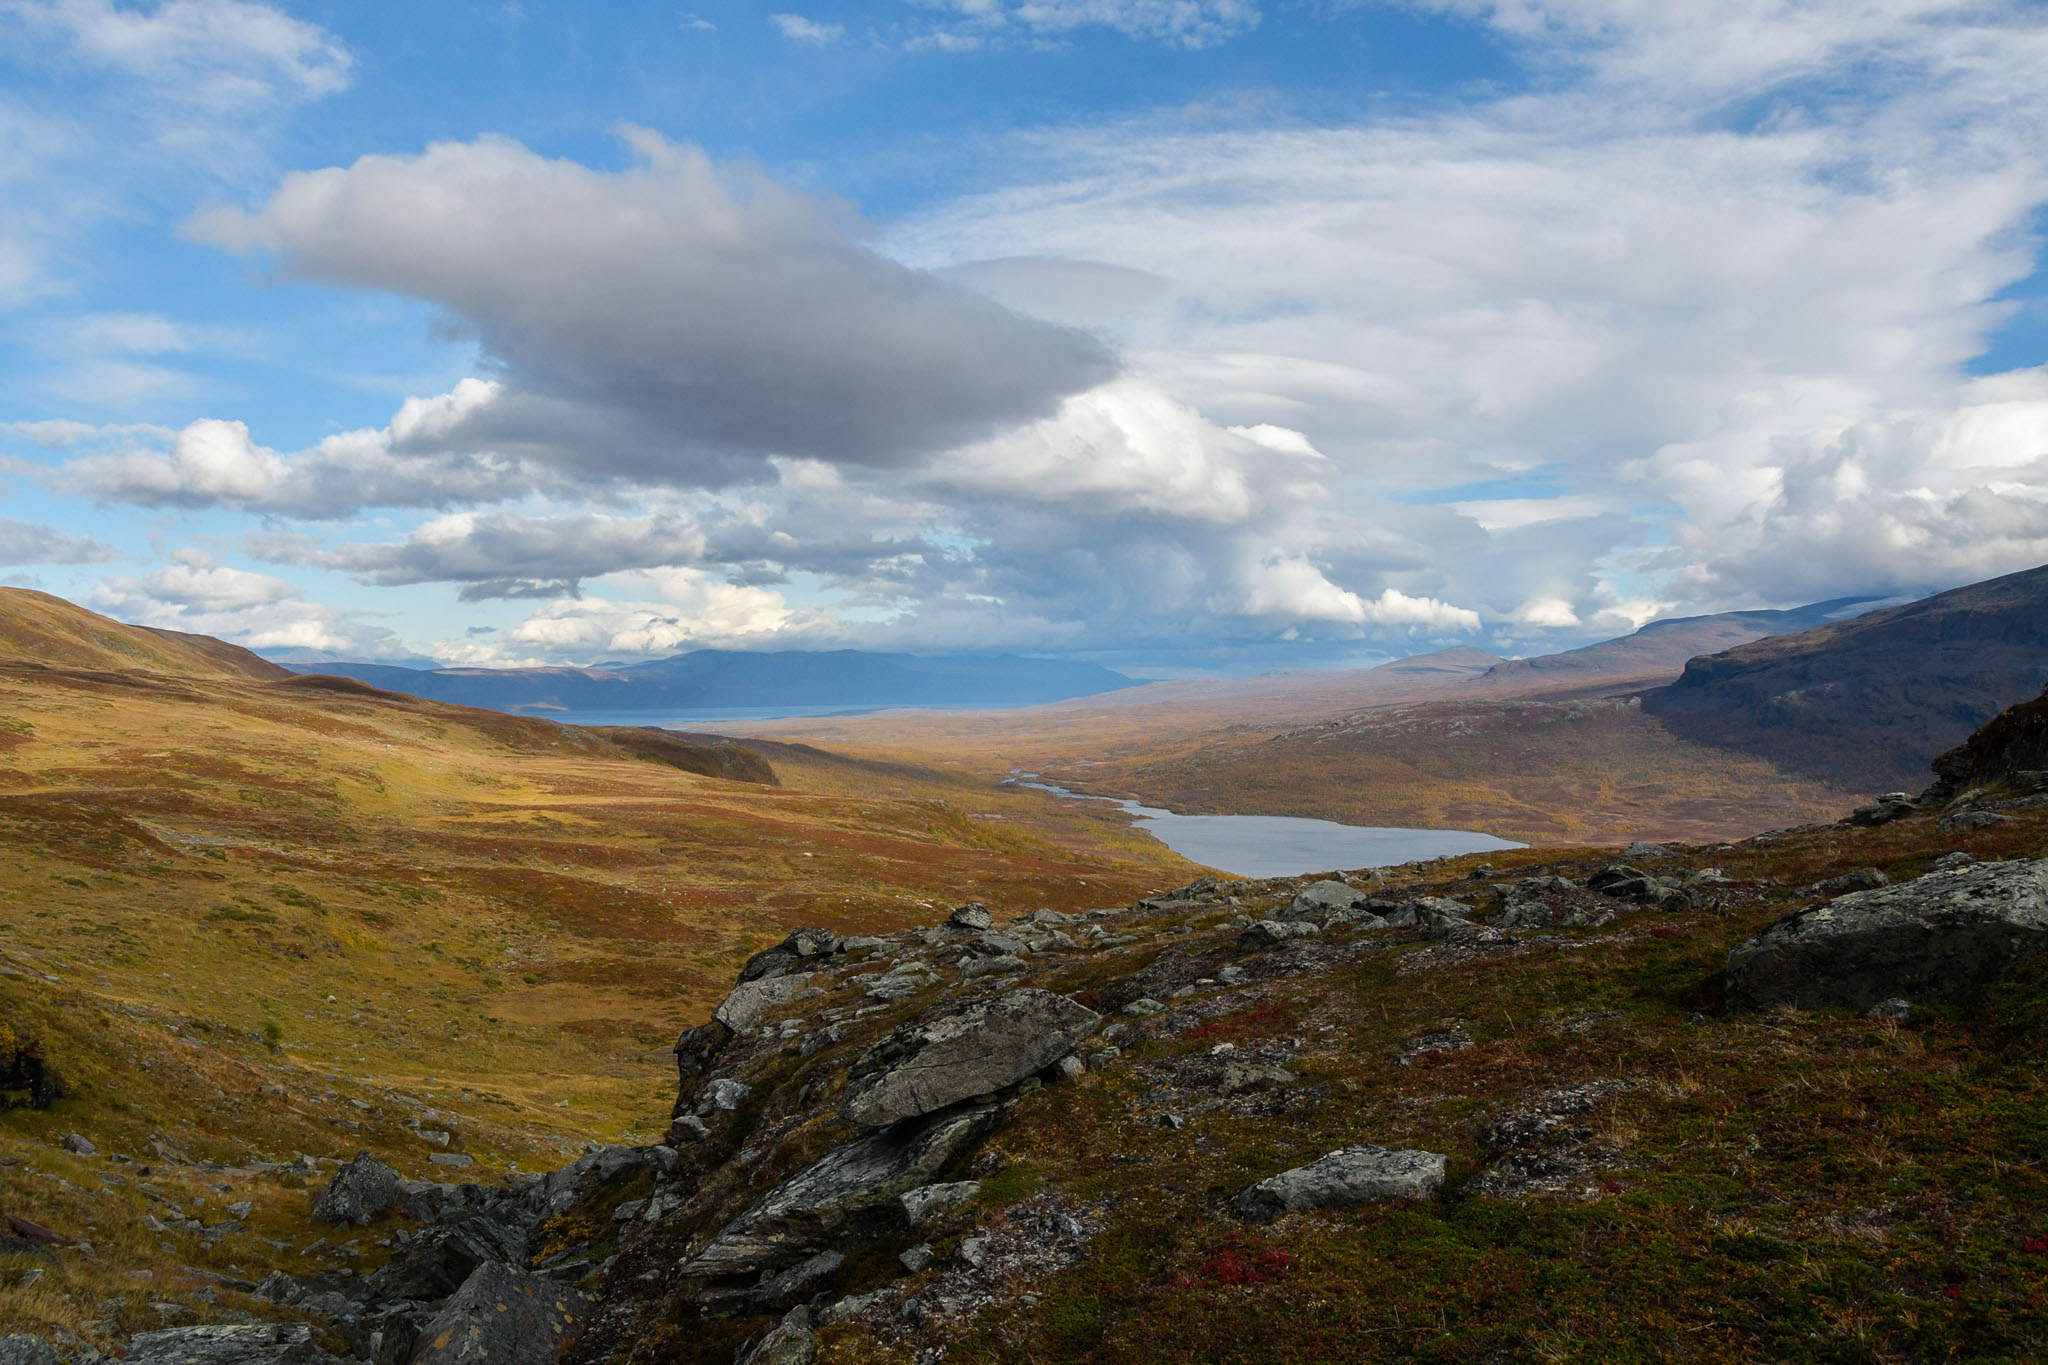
(676, 321)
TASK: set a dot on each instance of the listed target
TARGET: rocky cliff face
(1871, 700)
(2013, 748)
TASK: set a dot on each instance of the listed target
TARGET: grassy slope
(256, 918)
(1777, 1186)
(1787, 1186)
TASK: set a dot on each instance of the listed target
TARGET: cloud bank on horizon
(1543, 318)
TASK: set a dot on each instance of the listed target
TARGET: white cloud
(1127, 447)
(219, 54)
(1904, 501)
(131, 106)
(1613, 280)
(1678, 326)
(694, 611)
(217, 463)
(799, 29)
(1555, 613)
(196, 593)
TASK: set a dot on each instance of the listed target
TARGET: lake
(1288, 845)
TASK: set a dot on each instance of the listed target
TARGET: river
(1287, 845)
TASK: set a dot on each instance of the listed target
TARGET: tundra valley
(332, 1012)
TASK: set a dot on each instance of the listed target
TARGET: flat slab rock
(1344, 1179)
(502, 1316)
(259, 1343)
(926, 1067)
(850, 1192)
(751, 999)
(1937, 937)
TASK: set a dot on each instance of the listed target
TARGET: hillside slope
(39, 630)
(1631, 1170)
(1868, 702)
(248, 917)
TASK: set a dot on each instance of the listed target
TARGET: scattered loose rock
(1972, 819)
(1862, 879)
(976, 1051)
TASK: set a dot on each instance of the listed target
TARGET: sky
(1187, 336)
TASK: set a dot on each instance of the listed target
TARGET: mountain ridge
(1872, 699)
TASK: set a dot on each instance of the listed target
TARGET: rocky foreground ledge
(858, 1158)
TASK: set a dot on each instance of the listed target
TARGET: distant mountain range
(718, 679)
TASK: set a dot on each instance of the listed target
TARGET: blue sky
(1190, 335)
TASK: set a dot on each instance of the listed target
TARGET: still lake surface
(1288, 845)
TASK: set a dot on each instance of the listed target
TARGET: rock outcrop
(2012, 748)
(851, 1193)
(925, 1067)
(749, 1000)
(1937, 937)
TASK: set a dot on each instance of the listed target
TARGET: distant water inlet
(1287, 845)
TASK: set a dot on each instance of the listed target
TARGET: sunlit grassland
(252, 919)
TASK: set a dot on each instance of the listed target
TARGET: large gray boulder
(1344, 1179)
(926, 1067)
(502, 1316)
(1438, 916)
(361, 1190)
(1321, 902)
(1937, 937)
(255, 1343)
(973, 915)
(751, 999)
(1269, 933)
(23, 1349)
(849, 1193)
